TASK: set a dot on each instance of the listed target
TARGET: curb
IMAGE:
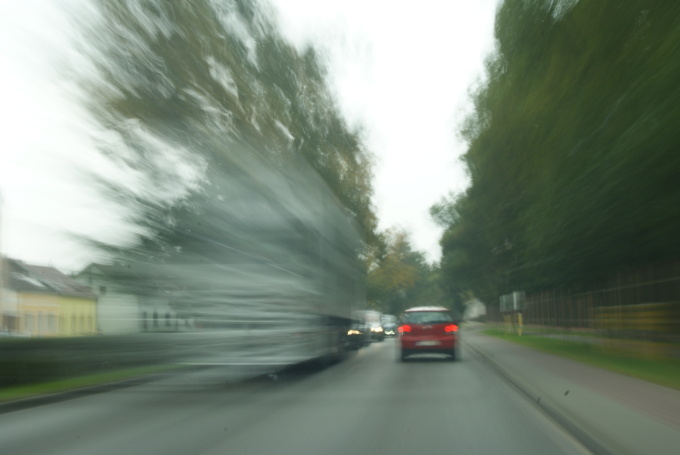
(554, 413)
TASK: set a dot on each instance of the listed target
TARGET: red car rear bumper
(429, 344)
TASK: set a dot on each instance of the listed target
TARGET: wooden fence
(644, 300)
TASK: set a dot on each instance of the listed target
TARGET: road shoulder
(608, 412)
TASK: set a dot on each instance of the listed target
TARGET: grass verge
(63, 385)
(663, 372)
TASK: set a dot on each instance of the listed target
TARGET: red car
(427, 329)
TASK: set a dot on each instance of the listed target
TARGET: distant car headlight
(376, 329)
(353, 332)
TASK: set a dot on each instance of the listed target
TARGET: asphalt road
(368, 404)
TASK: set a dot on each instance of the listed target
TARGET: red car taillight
(404, 329)
(451, 328)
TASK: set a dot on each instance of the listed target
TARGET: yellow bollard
(519, 324)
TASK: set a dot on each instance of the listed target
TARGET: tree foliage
(572, 148)
(400, 277)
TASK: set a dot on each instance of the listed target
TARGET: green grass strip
(62, 385)
(660, 371)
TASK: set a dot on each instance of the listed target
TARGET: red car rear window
(427, 317)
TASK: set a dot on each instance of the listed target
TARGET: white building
(127, 301)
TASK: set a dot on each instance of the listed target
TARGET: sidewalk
(609, 412)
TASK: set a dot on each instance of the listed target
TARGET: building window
(155, 319)
(102, 290)
(40, 323)
(167, 319)
(12, 323)
(145, 324)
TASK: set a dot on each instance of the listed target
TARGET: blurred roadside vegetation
(28, 361)
(573, 149)
(113, 378)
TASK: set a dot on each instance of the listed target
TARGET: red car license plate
(427, 343)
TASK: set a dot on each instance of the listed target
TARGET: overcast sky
(401, 70)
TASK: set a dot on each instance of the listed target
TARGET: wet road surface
(368, 404)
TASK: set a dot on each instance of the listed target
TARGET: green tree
(572, 148)
(399, 277)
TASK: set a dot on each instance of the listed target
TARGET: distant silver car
(389, 324)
